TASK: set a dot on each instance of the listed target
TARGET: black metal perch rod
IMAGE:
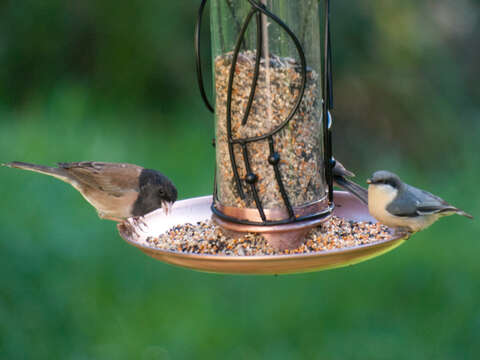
(256, 11)
(328, 103)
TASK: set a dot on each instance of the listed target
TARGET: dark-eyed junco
(404, 207)
(117, 191)
(340, 175)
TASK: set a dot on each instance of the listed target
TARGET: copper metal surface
(280, 237)
(198, 209)
(251, 214)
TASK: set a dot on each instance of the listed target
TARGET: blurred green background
(115, 81)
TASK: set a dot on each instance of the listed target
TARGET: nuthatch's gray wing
(428, 203)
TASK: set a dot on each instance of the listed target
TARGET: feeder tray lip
(198, 209)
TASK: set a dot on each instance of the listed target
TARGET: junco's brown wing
(113, 178)
(116, 190)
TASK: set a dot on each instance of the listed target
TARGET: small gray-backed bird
(339, 179)
(399, 205)
(118, 191)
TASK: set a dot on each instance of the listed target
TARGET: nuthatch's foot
(403, 231)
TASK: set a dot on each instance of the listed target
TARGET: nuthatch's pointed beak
(369, 181)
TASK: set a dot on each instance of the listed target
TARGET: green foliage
(115, 81)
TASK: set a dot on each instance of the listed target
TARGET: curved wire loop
(198, 60)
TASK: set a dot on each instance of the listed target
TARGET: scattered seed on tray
(207, 238)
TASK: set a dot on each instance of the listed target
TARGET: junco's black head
(156, 191)
(386, 178)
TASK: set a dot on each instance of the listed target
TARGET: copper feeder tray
(198, 209)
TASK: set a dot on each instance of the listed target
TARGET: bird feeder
(273, 154)
(272, 77)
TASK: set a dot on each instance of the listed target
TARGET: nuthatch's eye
(390, 182)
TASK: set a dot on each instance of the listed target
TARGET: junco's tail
(360, 192)
(340, 170)
(58, 173)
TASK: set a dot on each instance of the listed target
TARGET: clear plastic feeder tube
(268, 109)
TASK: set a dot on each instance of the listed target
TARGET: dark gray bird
(116, 190)
(399, 205)
(340, 174)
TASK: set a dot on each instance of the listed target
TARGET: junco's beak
(167, 207)
(369, 181)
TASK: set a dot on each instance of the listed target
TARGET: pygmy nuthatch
(401, 206)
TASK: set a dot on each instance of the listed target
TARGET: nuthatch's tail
(444, 209)
(463, 213)
(454, 210)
